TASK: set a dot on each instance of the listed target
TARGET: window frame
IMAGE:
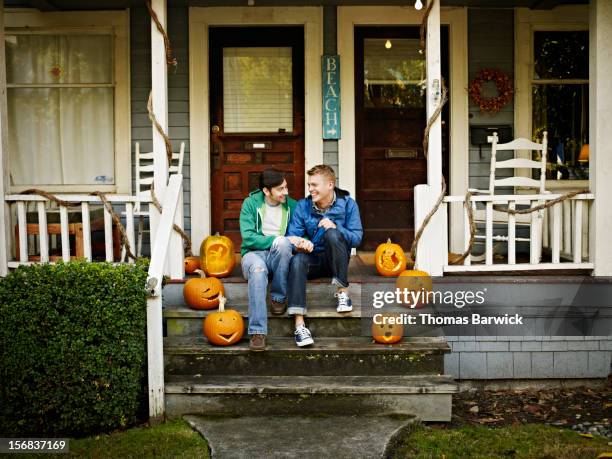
(115, 24)
(527, 22)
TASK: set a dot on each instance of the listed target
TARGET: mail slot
(258, 146)
(395, 153)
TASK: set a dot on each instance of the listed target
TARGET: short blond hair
(323, 169)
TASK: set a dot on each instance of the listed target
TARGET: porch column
(600, 120)
(159, 86)
(4, 163)
(432, 250)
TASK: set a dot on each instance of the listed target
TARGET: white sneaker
(302, 336)
(344, 302)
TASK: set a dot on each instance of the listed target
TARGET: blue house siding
(178, 90)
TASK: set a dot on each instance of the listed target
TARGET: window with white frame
(560, 100)
(67, 104)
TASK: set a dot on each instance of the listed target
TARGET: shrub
(72, 348)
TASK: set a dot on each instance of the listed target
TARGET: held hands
(327, 223)
(301, 244)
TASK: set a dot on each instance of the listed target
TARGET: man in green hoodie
(266, 252)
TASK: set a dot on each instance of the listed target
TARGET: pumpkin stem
(222, 301)
(200, 272)
(388, 240)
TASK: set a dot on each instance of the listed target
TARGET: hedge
(72, 348)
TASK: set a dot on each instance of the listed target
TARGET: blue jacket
(344, 213)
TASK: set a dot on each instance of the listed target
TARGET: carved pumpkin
(224, 327)
(191, 264)
(217, 256)
(387, 331)
(203, 292)
(389, 259)
(419, 282)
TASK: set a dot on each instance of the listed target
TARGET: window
(68, 109)
(560, 100)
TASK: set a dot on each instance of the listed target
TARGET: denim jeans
(257, 267)
(333, 262)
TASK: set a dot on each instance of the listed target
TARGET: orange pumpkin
(224, 327)
(389, 330)
(389, 259)
(191, 264)
(203, 292)
(419, 282)
(217, 256)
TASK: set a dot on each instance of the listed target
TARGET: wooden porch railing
(561, 228)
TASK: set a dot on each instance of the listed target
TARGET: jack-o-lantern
(390, 259)
(203, 292)
(191, 264)
(387, 328)
(217, 256)
(414, 285)
(224, 327)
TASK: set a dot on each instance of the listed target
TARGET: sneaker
(257, 343)
(303, 336)
(277, 308)
(344, 302)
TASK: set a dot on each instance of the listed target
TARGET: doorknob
(215, 129)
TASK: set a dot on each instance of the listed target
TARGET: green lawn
(173, 439)
(531, 441)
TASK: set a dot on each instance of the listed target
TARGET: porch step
(426, 397)
(341, 356)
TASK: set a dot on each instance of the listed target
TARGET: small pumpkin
(419, 282)
(203, 292)
(224, 327)
(390, 259)
(191, 264)
(389, 330)
(217, 257)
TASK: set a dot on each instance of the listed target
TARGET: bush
(72, 348)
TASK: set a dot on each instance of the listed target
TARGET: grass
(172, 439)
(530, 441)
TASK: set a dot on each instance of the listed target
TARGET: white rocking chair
(489, 216)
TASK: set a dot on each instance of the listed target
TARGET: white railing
(33, 245)
(561, 228)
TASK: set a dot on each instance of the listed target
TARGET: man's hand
(295, 240)
(326, 223)
(305, 246)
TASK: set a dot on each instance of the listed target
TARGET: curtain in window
(60, 135)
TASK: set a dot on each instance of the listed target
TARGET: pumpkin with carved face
(224, 327)
(191, 264)
(390, 259)
(203, 292)
(217, 256)
(415, 281)
(388, 330)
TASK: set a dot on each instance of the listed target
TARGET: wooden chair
(489, 216)
(143, 182)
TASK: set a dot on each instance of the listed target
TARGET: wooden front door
(256, 115)
(390, 120)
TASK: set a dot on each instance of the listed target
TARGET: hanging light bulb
(388, 44)
(418, 5)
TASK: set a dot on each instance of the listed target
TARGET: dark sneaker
(257, 343)
(303, 336)
(277, 308)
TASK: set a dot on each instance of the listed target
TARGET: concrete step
(345, 356)
(426, 397)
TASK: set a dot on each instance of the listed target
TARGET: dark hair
(271, 178)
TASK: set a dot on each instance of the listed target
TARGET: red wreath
(503, 85)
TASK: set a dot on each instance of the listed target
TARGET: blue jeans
(257, 267)
(332, 262)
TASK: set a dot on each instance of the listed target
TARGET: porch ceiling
(67, 5)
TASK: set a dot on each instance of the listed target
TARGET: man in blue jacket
(329, 219)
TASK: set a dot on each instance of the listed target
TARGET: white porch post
(433, 246)
(4, 163)
(159, 86)
(600, 120)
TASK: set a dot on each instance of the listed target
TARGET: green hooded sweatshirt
(251, 222)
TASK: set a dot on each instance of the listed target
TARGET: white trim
(456, 18)
(200, 19)
(562, 18)
(91, 22)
